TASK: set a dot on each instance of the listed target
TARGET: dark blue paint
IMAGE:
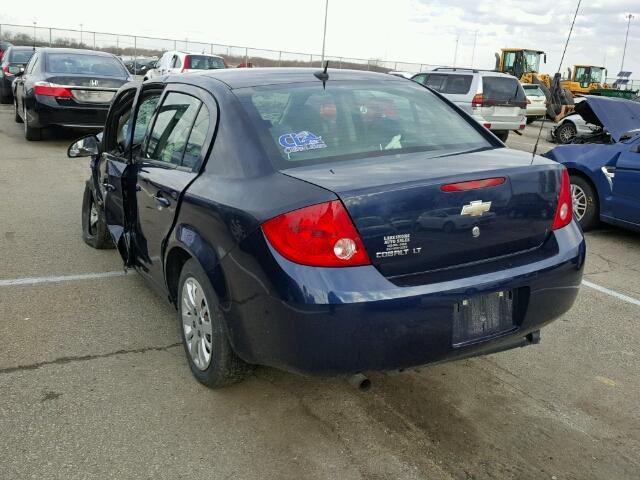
(342, 320)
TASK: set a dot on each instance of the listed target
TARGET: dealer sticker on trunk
(398, 246)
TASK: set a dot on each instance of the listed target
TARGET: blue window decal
(300, 142)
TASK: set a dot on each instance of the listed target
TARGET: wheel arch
(189, 244)
(580, 173)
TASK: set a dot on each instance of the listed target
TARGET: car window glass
(83, 64)
(437, 82)
(20, 56)
(205, 62)
(171, 129)
(196, 138)
(502, 90)
(350, 120)
(176, 62)
(145, 114)
(419, 78)
(32, 64)
(458, 84)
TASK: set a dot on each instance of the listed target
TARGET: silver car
(537, 102)
(496, 100)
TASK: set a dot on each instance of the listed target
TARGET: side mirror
(16, 70)
(88, 146)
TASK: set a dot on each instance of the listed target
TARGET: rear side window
(306, 123)
(83, 64)
(172, 128)
(205, 62)
(503, 91)
(435, 81)
(452, 84)
(20, 56)
(176, 63)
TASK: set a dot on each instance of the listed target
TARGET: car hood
(616, 115)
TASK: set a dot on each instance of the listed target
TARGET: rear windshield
(82, 64)
(20, 56)
(533, 90)
(451, 84)
(304, 123)
(204, 62)
(502, 90)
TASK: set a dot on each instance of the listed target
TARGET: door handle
(161, 201)
(108, 187)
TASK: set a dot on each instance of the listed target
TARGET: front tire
(94, 226)
(586, 208)
(16, 116)
(204, 335)
(566, 133)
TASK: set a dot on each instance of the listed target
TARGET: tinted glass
(177, 63)
(437, 82)
(303, 123)
(533, 90)
(205, 62)
(172, 127)
(196, 138)
(20, 56)
(458, 84)
(145, 114)
(502, 90)
(81, 64)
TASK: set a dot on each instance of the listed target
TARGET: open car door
(115, 174)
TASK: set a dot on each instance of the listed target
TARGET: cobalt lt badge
(475, 231)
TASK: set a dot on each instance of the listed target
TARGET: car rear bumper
(536, 111)
(47, 112)
(341, 321)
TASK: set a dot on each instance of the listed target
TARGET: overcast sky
(423, 31)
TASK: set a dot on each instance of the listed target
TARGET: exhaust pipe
(360, 382)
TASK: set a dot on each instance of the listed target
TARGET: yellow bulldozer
(524, 64)
(584, 79)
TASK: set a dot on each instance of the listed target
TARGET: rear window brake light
(473, 184)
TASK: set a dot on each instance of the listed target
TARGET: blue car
(605, 175)
(280, 212)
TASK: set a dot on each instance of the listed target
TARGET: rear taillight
(50, 90)
(528, 102)
(564, 210)
(6, 71)
(187, 64)
(321, 235)
(477, 100)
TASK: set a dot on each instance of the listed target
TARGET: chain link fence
(136, 47)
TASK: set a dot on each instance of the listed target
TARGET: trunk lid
(89, 89)
(409, 225)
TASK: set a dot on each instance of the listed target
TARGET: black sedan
(13, 63)
(275, 208)
(66, 87)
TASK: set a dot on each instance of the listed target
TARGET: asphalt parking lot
(94, 382)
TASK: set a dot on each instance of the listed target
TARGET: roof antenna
(323, 75)
(556, 80)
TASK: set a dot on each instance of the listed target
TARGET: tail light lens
(321, 235)
(478, 100)
(6, 71)
(528, 102)
(50, 90)
(564, 210)
(187, 63)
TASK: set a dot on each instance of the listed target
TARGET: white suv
(496, 100)
(182, 62)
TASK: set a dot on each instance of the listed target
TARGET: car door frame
(208, 99)
(626, 197)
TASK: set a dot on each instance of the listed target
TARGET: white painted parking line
(613, 293)
(64, 278)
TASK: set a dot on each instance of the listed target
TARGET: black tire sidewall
(225, 367)
(591, 216)
(101, 239)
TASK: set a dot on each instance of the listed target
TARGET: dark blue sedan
(605, 176)
(293, 217)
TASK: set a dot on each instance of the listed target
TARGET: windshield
(531, 61)
(205, 62)
(82, 64)
(304, 123)
(533, 91)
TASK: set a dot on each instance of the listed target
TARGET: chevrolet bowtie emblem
(476, 208)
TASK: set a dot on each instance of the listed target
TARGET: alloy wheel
(196, 323)
(566, 134)
(579, 198)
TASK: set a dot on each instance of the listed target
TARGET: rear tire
(94, 227)
(585, 202)
(502, 135)
(204, 332)
(565, 133)
(32, 134)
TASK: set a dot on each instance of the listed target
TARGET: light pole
(624, 51)
(473, 52)
(324, 35)
(80, 35)
(455, 52)
(34, 34)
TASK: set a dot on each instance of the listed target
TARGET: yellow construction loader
(584, 79)
(524, 64)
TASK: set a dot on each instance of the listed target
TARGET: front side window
(176, 62)
(172, 128)
(145, 114)
(83, 64)
(304, 123)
